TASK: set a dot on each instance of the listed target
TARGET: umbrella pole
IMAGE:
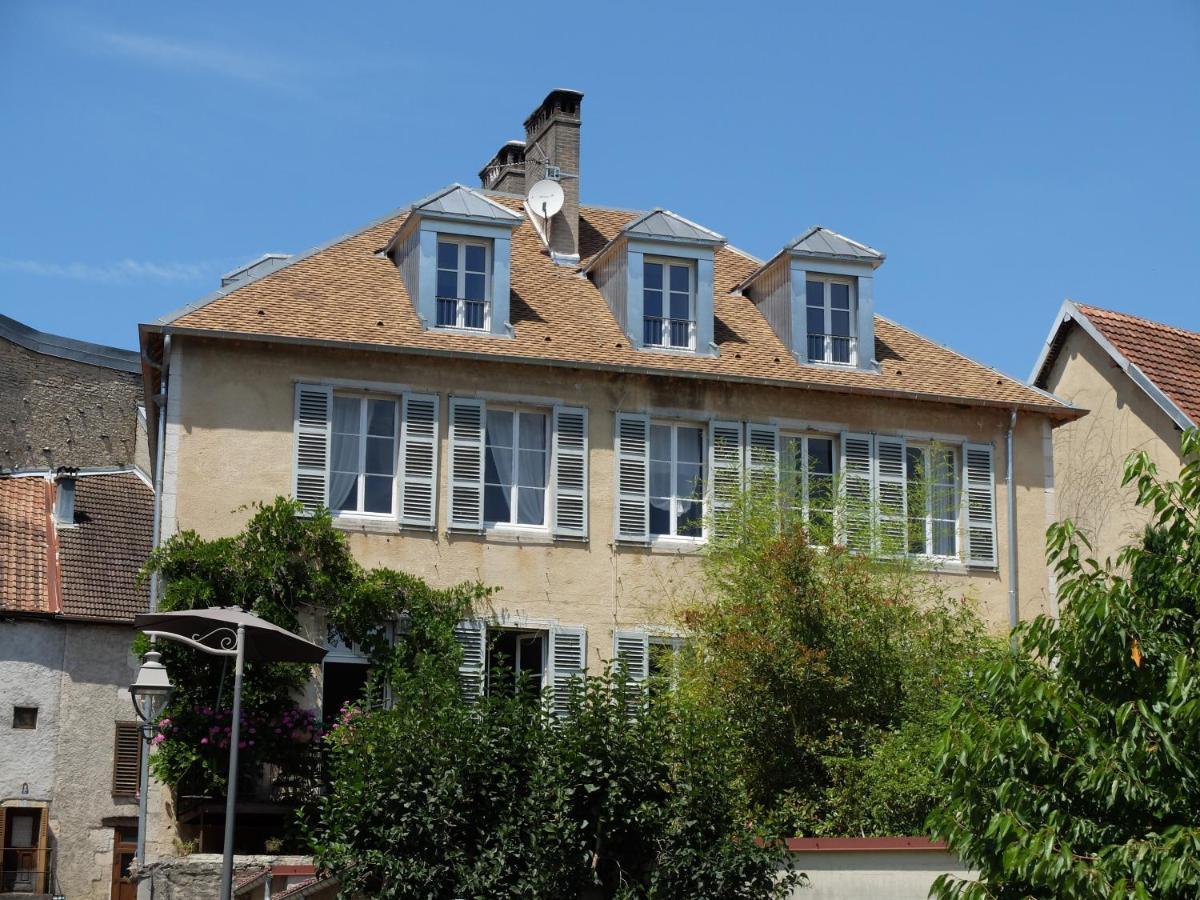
(231, 790)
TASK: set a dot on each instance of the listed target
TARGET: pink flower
(203, 740)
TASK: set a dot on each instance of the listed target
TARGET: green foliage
(436, 799)
(835, 667)
(1074, 774)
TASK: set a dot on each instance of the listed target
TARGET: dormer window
(463, 283)
(668, 303)
(830, 310)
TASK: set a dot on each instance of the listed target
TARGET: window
(462, 284)
(932, 477)
(25, 717)
(668, 307)
(516, 660)
(516, 466)
(676, 480)
(127, 759)
(363, 466)
(809, 469)
(830, 321)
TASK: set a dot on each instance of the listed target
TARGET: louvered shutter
(725, 474)
(762, 459)
(466, 463)
(472, 638)
(569, 472)
(980, 489)
(418, 460)
(891, 495)
(857, 493)
(314, 407)
(127, 759)
(633, 477)
(631, 652)
(568, 662)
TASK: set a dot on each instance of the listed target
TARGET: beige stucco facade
(1090, 452)
(230, 443)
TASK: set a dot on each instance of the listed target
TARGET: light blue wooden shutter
(633, 477)
(762, 458)
(568, 665)
(313, 410)
(857, 490)
(419, 460)
(891, 495)
(569, 472)
(472, 671)
(466, 463)
(631, 653)
(979, 486)
(725, 474)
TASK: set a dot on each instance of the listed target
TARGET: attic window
(462, 283)
(64, 502)
(831, 320)
(668, 303)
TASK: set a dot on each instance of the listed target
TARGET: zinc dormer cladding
(661, 238)
(781, 291)
(460, 217)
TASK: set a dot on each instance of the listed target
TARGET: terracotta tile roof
(1168, 356)
(347, 292)
(99, 557)
(24, 545)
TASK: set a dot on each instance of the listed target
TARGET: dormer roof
(664, 225)
(460, 202)
(822, 242)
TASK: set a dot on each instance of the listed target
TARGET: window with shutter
(570, 472)
(568, 663)
(762, 458)
(980, 491)
(466, 463)
(725, 464)
(419, 460)
(857, 491)
(631, 652)
(127, 759)
(472, 670)
(891, 494)
(313, 410)
(633, 477)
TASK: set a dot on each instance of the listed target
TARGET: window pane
(914, 460)
(652, 303)
(691, 445)
(343, 491)
(690, 520)
(346, 411)
(660, 442)
(497, 465)
(473, 314)
(531, 506)
(447, 283)
(652, 332)
(378, 494)
(839, 323)
(660, 479)
(447, 312)
(820, 456)
(447, 255)
(680, 333)
(475, 258)
(474, 287)
(652, 276)
(839, 296)
(660, 515)
(381, 417)
(681, 279)
(816, 322)
(943, 538)
(681, 306)
(688, 480)
(531, 468)
(381, 456)
(496, 504)
(815, 291)
(499, 428)
(533, 431)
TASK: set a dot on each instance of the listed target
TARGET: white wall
(874, 874)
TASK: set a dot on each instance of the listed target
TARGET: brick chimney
(552, 139)
(506, 170)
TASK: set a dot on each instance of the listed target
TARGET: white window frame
(827, 354)
(515, 410)
(363, 399)
(785, 440)
(460, 304)
(705, 475)
(523, 633)
(666, 262)
(926, 447)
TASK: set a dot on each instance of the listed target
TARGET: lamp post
(150, 693)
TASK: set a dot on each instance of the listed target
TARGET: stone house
(72, 539)
(1140, 381)
(506, 384)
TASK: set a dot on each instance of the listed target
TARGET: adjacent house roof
(83, 570)
(346, 293)
(1161, 359)
(821, 241)
(69, 348)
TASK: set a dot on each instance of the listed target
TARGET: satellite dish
(545, 198)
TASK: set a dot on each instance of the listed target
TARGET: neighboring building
(65, 402)
(553, 407)
(1140, 381)
(71, 543)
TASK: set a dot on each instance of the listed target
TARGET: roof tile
(23, 545)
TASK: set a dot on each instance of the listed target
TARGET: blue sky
(1004, 155)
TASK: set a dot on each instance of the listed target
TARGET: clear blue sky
(1004, 155)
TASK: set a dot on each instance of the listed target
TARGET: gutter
(1014, 604)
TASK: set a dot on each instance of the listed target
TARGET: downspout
(1014, 605)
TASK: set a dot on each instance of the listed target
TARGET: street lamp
(150, 692)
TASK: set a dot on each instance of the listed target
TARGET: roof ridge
(63, 347)
(1087, 309)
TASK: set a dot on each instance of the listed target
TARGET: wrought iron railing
(838, 349)
(660, 332)
(456, 312)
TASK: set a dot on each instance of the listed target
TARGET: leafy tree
(835, 667)
(1074, 773)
